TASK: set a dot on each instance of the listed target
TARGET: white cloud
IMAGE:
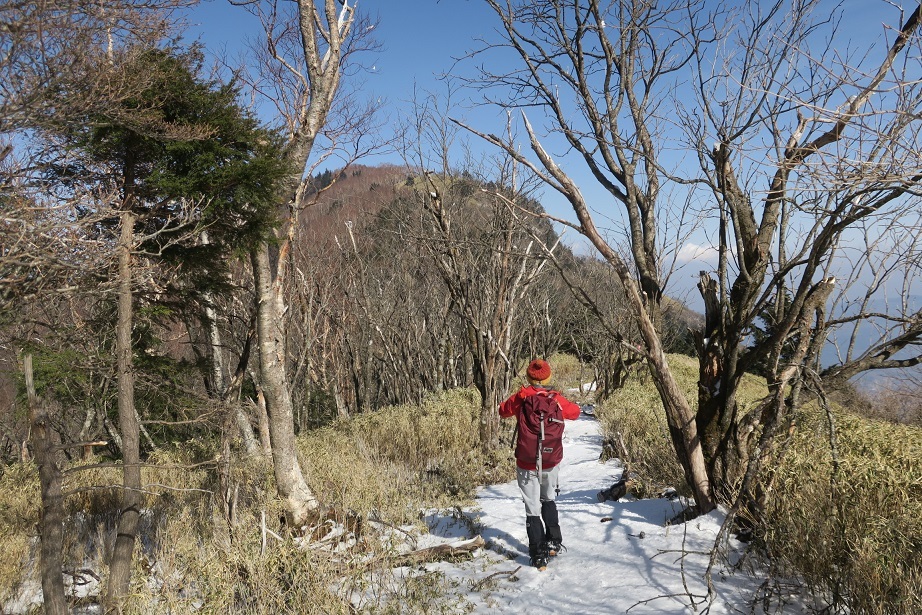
(694, 252)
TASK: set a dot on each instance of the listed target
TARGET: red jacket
(513, 407)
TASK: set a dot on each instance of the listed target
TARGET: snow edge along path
(632, 561)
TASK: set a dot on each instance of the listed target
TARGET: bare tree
(809, 150)
(479, 240)
(308, 45)
(55, 56)
(594, 71)
(840, 163)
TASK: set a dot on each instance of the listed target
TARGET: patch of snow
(619, 556)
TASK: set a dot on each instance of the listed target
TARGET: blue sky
(420, 40)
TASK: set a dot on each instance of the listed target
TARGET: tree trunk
(52, 516)
(725, 444)
(488, 426)
(489, 421)
(250, 445)
(120, 566)
(300, 501)
(679, 415)
(683, 429)
(681, 418)
(342, 411)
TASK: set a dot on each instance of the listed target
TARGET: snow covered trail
(631, 561)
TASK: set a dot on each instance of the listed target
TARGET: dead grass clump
(400, 458)
(635, 414)
(18, 519)
(209, 574)
(194, 556)
(852, 530)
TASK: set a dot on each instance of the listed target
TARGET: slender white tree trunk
(299, 500)
(250, 444)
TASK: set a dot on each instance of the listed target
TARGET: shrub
(853, 531)
(635, 415)
(899, 402)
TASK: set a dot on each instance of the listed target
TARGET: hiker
(539, 411)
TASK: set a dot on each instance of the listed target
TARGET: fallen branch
(667, 596)
(394, 527)
(509, 573)
(440, 552)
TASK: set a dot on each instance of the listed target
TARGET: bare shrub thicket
(898, 402)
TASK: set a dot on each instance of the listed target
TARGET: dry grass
(390, 465)
(18, 520)
(567, 371)
(403, 458)
(852, 534)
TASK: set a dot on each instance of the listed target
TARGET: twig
(265, 532)
(445, 551)
(688, 593)
(509, 573)
(649, 600)
(412, 538)
(682, 551)
(157, 466)
(67, 445)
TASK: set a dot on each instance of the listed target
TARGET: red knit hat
(539, 370)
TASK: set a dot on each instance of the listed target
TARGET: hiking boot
(539, 556)
(554, 547)
(539, 561)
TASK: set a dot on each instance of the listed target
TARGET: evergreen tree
(183, 157)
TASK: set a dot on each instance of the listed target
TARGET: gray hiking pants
(535, 491)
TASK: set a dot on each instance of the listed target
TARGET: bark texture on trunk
(129, 515)
(51, 521)
(300, 501)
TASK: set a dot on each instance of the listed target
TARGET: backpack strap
(538, 460)
(553, 396)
